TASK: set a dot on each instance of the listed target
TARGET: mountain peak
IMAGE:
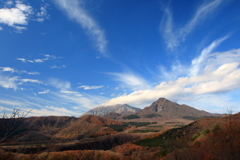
(162, 100)
(165, 108)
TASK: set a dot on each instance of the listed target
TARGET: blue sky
(61, 57)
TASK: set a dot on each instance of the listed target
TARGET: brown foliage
(223, 143)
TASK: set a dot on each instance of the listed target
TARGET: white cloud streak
(45, 111)
(202, 13)
(39, 60)
(76, 12)
(21, 59)
(31, 80)
(197, 62)
(58, 67)
(174, 37)
(130, 80)
(8, 82)
(85, 101)
(11, 103)
(44, 92)
(53, 111)
(71, 92)
(62, 85)
(85, 87)
(12, 70)
(176, 70)
(33, 73)
(7, 69)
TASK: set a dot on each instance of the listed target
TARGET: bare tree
(10, 124)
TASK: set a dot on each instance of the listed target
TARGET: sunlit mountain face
(63, 58)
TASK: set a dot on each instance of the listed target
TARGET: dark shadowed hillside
(112, 115)
(46, 128)
(38, 128)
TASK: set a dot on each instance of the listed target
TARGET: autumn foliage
(221, 143)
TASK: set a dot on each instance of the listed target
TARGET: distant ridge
(121, 109)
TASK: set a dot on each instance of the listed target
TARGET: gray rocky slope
(119, 108)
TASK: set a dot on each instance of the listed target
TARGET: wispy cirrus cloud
(8, 82)
(176, 70)
(58, 67)
(85, 87)
(85, 101)
(44, 92)
(71, 92)
(52, 110)
(31, 80)
(64, 87)
(11, 102)
(130, 80)
(38, 60)
(175, 36)
(76, 12)
(7, 69)
(12, 70)
(197, 63)
(59, 84)
(33, 73)
(201, 14)
(21, 59)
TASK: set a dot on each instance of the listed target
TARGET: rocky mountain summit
(121, 109)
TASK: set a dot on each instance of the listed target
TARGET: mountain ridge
(121, 109)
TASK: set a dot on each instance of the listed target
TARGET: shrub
(195, 137)
(144, 131)
(152, 115)
(118, 127)
(191, 118)
(138, 124)
(216, 129)
(205, 132)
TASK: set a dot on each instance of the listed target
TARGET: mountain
(167, 109)
(121, 109)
